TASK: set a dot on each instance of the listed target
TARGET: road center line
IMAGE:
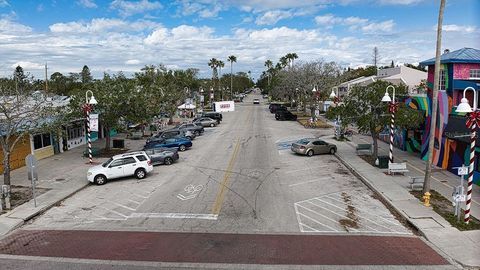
(223, 185)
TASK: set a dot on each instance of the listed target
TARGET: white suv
(128, 164)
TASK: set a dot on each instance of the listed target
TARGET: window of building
(442, 85)
(75, 132)
(41, 141)
(474, 73)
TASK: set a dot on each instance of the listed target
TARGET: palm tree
(283, 61)
(433, 117)
(220, 65)
(269, 66)
(290, 57)
(213, 64)
(232, 59)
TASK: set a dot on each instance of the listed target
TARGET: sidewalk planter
(383, 162)
(118, 143)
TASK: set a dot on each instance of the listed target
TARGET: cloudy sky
(123, 35)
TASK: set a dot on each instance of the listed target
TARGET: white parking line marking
(174, 215)
(316, 221)
(311, 229)
(311, 181)
(299, 170)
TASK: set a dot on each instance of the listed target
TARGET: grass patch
(305, 121)
(444, 208)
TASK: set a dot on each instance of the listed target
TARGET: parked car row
(161, 148)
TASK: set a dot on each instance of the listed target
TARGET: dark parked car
(180, 143)
(162, 155)
(214, 115)
(172, 133)
(275, 106)
(283, 115)
(195, 129)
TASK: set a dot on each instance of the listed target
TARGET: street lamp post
(87, 108)
(202, 98)
(473, 118)
(312, 110)
(335, 98)
(392, 108)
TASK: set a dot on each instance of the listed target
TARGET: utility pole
(46, 77)
(433, 116)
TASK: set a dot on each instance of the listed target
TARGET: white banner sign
(94, 122)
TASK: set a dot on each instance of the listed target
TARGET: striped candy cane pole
(470, 174)
(89, 138)
(392, 125)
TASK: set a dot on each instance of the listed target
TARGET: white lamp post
(392, 108)
(338, 124)
(464, 107)
(89, 102)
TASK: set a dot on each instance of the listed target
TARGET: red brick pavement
(223, 248)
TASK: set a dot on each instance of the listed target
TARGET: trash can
(383, 162)
(118, 143)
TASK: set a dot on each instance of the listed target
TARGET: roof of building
(464, 55)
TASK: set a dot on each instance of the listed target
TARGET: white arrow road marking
(184, 198)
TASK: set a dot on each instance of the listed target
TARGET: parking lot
(238, 177)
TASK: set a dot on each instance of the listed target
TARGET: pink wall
(462, 71)
(430, 73)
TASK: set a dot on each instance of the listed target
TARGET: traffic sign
(462, 170)
(459, 197)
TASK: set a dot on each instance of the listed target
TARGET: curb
(384, 200)
(41, 210)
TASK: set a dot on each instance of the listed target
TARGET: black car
(275, 106)
(285, 115)
(214, 115)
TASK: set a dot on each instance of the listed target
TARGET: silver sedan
(312, 146)
(206, 122)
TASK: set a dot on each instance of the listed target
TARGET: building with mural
(459, 69)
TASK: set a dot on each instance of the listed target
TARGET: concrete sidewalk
(62, 174)
(463, 247)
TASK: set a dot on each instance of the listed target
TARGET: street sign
(459, 197)
(462, 170)
(94, 122)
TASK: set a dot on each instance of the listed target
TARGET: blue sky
(123, 35)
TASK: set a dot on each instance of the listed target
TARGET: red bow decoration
(473, 119)
(392, 107)
(87, 108)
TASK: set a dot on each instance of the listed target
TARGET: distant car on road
(205, 122)
(256, 101)
(162, 155)
(181, 144)
(285, 115)
(312, 146)
(137, 163)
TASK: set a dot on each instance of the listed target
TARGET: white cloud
(102, 25)
(385, 27)
(192, 32)
(28, 65)
(210, 13)
(3, 3)
(399, 2)
(87, 3)
(132, 62)
(157, 36)
(457, 28)
(127, 8)
(272, 17)
(328, 19)
(283, 33)
(8, 26)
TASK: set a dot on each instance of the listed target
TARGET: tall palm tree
(221, 64)
(213, 64)
(232, 59)
(433, 117)
(283, 61)
(293, 56)
(269, 66)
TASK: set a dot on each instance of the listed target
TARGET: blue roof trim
(464, 55)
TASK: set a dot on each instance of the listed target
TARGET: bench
(397, 168)
(364, 147)
(416, 181)
(95, 152)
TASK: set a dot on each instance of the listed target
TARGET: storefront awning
(457, 130)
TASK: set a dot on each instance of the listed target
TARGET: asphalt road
(239, 178)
